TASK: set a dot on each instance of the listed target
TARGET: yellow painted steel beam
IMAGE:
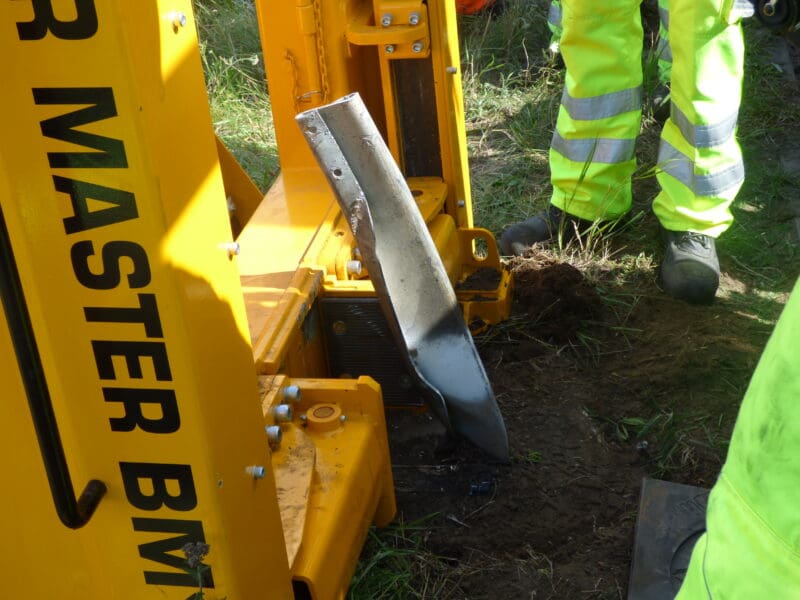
(242, 194)
(330, 467)
(115, 201)
(113, 196)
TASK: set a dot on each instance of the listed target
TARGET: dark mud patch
(482, 279)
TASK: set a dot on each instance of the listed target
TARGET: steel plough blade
(408, 275)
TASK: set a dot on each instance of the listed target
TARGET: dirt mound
(556, 297)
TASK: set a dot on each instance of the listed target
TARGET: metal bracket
(400, 28)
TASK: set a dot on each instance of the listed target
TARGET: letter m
(99, 104)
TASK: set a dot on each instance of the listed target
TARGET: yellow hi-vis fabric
(592, 154)
(751, 548)
(554, 23)
(663, 51)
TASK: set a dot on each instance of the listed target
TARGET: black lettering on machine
(132, 345)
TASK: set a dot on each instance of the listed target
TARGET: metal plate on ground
(672, 517)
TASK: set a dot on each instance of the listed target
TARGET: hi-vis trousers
(663, 53)
(699, 163)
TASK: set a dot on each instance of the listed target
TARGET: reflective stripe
(601, 107)
(681, 167)
(744, 8)
(554, 14)
(663, 14)
(597, 150)
(664, 51)
(704, 136)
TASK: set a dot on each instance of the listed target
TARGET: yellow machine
(182, 358)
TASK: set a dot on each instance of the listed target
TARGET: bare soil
(578, 378)
(602, 380)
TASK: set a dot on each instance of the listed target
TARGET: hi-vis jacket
(751, 548)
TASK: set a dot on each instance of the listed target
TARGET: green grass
(237, 87)
(511, 94)
(395, 565)
(671, 444)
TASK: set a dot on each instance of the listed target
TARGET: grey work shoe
(541, 227)
(690, 270)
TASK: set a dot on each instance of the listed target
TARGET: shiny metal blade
(406, 270)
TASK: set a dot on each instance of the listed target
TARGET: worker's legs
(700, 164)
(662, 53)
(592, 152)
(699, 161)
(751, 548)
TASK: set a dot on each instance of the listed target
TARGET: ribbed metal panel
(359, 342)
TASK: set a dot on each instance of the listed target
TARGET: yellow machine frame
(143, 276)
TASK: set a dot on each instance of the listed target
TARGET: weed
(396, 565)
(195, 553)
(533, 456)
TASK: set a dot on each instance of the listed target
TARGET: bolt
(389, 49)
(274, 435)
(343, 418)
(256, 471)
(769, 8)
(452, 70)
(304, 418)
(178, 19)
(282, 413)
(417, 47)
(461, 203)
(354, 267)
(386, 20)
(232, 248)
(413, 18)
(357, 253)
(339, 327)
(406, 382)
(292, 393)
